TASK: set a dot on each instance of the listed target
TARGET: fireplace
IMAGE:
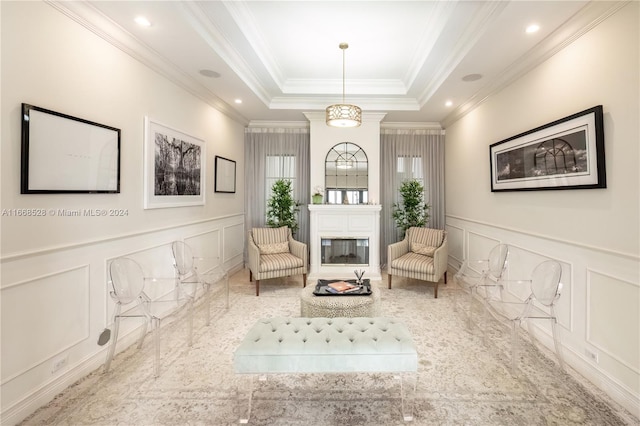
(344, 251)
(344, 238)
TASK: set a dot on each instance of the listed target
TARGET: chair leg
(250, 275)
(445, 277)
(389, 281)
(435, 292)
(207, 300)
(515, 325)
(556, 339)
(156, 332)
(304, 280)
(114, 339)
(257, 287)
(190, 309)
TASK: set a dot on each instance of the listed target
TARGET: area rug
(463, 378)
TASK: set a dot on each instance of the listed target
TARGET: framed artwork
(565, 154)
(65, 154)
(174, 167)
(225, 180)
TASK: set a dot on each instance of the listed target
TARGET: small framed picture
(225, 180)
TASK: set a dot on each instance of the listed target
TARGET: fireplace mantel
(344, 221)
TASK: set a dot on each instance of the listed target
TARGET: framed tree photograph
(565, 154)
(225, 180)
(66, 154)
(174, 167)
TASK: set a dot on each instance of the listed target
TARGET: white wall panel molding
(234, 237)
(60, 300)
(17, 256)
(613, 317)
(455, 238)
(546, 237)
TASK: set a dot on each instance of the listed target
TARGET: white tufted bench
(328, 345)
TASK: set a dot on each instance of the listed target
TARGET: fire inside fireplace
(344, 251)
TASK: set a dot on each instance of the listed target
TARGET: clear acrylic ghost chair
(189, 280)
(545, 287)
(127, 282)
(480, 277)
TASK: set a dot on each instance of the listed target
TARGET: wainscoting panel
(234, 237)
(598, 311)
(57, 302)
(208, 247)
(455, 239)
(478, 245)
(613, 318)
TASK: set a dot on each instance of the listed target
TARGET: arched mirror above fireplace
(346, 175)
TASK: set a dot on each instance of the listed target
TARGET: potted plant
(412, 211)
(282, 209)
(317, 195)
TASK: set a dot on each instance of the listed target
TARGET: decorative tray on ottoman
(324, 289)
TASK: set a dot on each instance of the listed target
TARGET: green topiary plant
(413, 211)
(282, 209)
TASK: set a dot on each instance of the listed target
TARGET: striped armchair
(422, 255)
(274, 253)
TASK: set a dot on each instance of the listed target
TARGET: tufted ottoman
(327, 345)
(339, 306)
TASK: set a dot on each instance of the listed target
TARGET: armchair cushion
(413, 262)
(423, 249)
(270, 235)
(427, 236)
(279, 261)
(274, 248)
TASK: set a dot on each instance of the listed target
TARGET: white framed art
(174, 167)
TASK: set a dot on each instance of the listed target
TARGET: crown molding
(395, 125)
(366, 116)
(85, 14)
(375, 104)
(481, 20)
(261, 124)
(581, 23)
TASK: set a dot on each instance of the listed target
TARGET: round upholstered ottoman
(339, 306)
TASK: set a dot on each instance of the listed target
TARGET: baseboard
(584, 370)
(49, 390)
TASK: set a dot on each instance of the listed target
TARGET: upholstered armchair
(274, 253)
(422, 255)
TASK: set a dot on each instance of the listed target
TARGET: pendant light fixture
(343, 115)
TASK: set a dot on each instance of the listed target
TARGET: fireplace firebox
(344, 251)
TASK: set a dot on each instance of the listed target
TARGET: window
(410, 168)
(279, 167)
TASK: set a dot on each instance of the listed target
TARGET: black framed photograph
(174, 167)
(66, 154)
(225, 180)
(565, 154)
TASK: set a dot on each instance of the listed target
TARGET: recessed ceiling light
(209, 73)
(532, 28)
(472, 77)
(238, 101)
(142, 21)
(448, 103)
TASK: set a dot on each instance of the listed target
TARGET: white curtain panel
(408, 154)
(271, 154)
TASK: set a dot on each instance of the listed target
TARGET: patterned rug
(463, 378)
